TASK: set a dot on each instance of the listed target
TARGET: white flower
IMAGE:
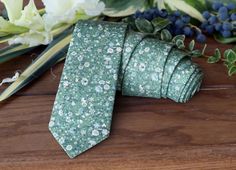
(32, 38)
(28, 19)
(69, 11)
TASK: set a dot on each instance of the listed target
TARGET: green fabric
(104, 57)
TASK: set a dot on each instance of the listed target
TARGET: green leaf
(191, 45)
(178, 37)
(160, 23)
(200, 5)
(144, 25)
(123, 8)
(4, 39)
(13, 51)
(223, 40)
(166, 35)
(215, 58)
(184, 7)
(232, 71)
(196, 53)
(228, 65)
(52, 54)
(7, 28)
(131, 22)
(180, 44)
(230, 56)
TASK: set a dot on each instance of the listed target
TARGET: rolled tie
(156, 69)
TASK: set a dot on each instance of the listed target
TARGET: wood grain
(147, 134)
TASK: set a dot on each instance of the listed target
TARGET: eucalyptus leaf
(228, 65)
(178, 37)
(223, 40)
(123, 8)
(196, 53)
(180, 44)
(215, 58)
(230, 56)
(144, 25)
(191, 45)
(166, 35)
(160, 23)
(232, 70)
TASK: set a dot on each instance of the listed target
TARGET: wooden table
(147, 134)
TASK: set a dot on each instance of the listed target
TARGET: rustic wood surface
(147, 134)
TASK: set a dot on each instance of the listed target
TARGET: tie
(104, 57)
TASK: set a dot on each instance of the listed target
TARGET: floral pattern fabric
(104, 57)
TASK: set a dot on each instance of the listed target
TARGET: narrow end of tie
(75, 148)
(68, 148)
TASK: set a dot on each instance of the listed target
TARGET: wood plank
(157, 133)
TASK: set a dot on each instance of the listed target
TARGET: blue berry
(218, 26)
(163, 13)
(204, 24)
(226, 34)
(178, 31)
(227, 26)
(231, 6)
(138, 14)
(148, 15)
(186, 19)
(179, 23)
(172, 18)
(212, 20)
(210, 29)
(223, 10)
(216, 6)
(154, 12)
(188, 31)
(201, 38)
(177, 14)
(233, 17)
(223, 16)
(206, 14)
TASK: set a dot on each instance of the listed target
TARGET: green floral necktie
(104, 57)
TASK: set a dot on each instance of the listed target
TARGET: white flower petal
(66, 11)
(32, 38)
(95, 10)
(13, 8)
(30, 18)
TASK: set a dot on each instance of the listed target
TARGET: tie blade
(82, 112)
(75, 148)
